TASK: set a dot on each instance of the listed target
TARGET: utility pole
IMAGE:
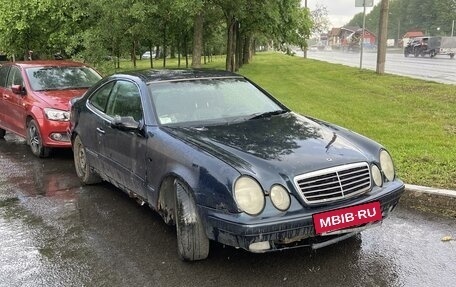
(382, 36)
(452, 29)
(305, 50)
(364, 4)
(362, 36)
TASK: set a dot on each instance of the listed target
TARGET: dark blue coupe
(221, 159)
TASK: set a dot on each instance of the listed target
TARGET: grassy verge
(414, 119)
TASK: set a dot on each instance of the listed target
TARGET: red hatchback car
(34, 99)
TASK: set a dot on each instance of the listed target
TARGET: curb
(434, 200)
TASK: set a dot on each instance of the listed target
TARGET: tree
(320, 20)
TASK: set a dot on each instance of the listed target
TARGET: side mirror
(18, 90)
(125, 123)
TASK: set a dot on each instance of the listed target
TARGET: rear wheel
(2, 133)
(35, 141)
(192, 242)
(82, 165)
(451, 56)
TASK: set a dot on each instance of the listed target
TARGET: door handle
(100, 130)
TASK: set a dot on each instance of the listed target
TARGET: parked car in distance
(220, 158)
(147, 55)
(432, 46)
(34, 99)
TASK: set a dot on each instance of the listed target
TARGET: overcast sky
(340, 12)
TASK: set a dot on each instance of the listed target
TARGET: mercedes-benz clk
(221, 159)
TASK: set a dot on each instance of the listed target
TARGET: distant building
(410, 35)
(348, 38)
(333, 37)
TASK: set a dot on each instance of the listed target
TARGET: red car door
(3, 77)
(13, 103)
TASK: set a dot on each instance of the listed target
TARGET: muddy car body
(223, 160)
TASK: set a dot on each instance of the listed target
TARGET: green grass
(414, 119)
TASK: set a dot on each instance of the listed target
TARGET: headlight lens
(249, 195)
(377, 175)
(280, 197)
(386, 163)
(57, 115)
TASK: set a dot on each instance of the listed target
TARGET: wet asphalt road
(439, 69)
(53, 232)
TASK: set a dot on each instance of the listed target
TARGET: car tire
(192, 241)
(35, 141)
(2, 134)
(82, 165)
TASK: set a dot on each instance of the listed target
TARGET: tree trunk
(133, 53)
(239, 46)
(164, 46)
(151, 48)
(186, 49)
(198, 23)
(231, 44)
(172, 52)
(179, 52)
(157, 52)
(247, 44)
(205, 54)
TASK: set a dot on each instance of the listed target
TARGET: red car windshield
(61, 78)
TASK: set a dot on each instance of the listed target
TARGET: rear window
(61, 78)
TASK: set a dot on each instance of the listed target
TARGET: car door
(91, 126)
(125, 151)
(13, 103)
(3, 77)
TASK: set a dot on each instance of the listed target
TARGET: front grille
(334, 183)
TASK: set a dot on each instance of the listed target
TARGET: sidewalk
(441, 201)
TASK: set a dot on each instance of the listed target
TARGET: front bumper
(290, 229)
(55, 133)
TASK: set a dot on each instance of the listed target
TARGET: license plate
(347, 217)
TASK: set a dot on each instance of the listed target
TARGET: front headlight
(57, 115)
(377, 175)
(249, 195)
(386, 163)
(280, 197)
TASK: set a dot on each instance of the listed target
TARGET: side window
(3, 75)
(125, 101)
(14, 78)
(100, 98)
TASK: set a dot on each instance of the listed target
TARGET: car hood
(59, 99)
(287, 144)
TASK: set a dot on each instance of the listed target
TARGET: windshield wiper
(266, 114)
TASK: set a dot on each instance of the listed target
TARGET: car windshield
(60, 78)
(210, 101)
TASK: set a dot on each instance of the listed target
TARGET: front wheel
(192, 242)
(83, 169)
(451, 56)
(2, 134)
(35, 141)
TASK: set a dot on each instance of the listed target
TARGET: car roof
(50, 63)
(156, 75)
